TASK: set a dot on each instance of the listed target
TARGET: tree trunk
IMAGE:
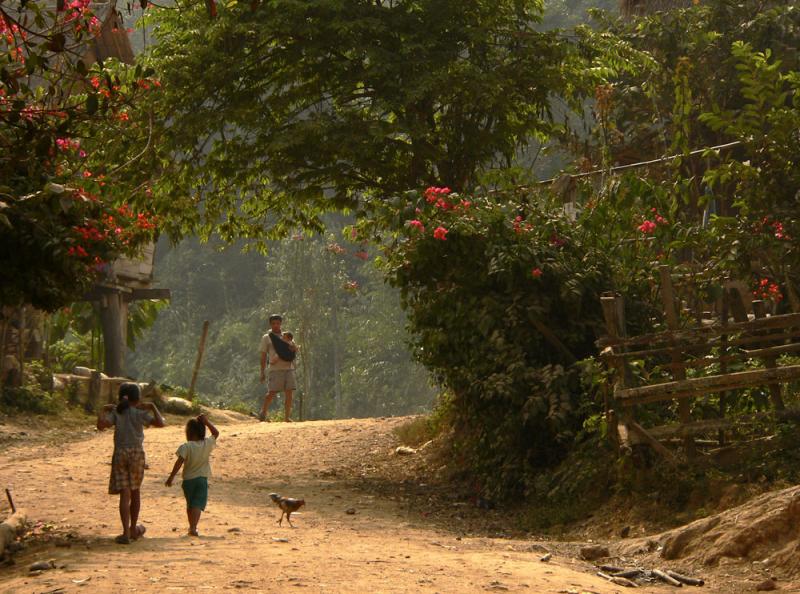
(337, 365)
(112, 318)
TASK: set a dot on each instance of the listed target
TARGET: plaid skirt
(127, 470)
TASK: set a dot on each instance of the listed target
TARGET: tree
(61, 214)
(277, 110)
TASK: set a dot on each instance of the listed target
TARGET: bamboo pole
(698, 386)
(770, 361)
(678, 372)
(21, 347)
(3, 338)
(614, 314)
(200, 350)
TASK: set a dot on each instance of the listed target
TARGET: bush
(503, 304)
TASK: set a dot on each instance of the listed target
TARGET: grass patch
(31, 399)
(417, 431)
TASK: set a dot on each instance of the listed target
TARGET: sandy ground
(385, 546)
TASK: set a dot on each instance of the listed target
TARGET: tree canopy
(63, 205)
(276, 109)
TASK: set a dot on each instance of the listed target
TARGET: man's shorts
(281, 380)
(127, 470)
(196, 492)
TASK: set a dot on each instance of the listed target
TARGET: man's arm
(175, 469)
(214, 431)
(263, 366)
(102, 417)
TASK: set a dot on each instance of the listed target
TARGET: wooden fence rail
(716, 356)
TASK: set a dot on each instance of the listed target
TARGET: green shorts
(196, 492)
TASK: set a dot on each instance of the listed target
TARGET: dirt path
(384, 547)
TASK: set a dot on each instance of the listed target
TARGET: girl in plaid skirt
(129, 417)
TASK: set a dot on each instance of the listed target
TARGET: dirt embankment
(370, 524)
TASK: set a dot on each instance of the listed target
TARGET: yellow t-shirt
(195, 456)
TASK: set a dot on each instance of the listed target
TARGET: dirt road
(385, 546)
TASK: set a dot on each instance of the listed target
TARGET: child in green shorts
(194, 457)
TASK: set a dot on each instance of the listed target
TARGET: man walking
(281, 356)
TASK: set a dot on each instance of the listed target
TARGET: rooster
(287, 505)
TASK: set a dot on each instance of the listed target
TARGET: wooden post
(678, 372)
(770, 361)
(614, 314)
(95, 387)
(794, 300)
(20, 380)
(11, 501)
(200, 350)
(111, 318)
(723, 366)
(3, 338)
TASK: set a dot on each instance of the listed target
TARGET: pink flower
(87, 174)
(440, 233)
(536, 272)
(361, 255)
(433, 193)
(417, 225)
(647, 227)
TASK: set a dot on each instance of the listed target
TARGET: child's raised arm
(158, 420)
(102, 417)
(214, 431)
(175, 469)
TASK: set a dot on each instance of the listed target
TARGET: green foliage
(76, 337)
(59, 188)
(347, 321)
(35, 395)
(502, 295)
(278, 110)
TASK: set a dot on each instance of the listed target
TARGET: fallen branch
(685, 579)
(630, 574)
(665, 578)
(619, 581)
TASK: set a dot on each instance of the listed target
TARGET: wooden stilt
(200, 350)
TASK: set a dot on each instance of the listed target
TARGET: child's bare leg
(136, 504)
(125, 511)
(194, 517)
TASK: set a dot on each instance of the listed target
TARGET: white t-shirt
(267, 347)
(195, 456)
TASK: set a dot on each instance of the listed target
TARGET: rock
(625, 532)
(546, 558)
(178, 406)
(234, 529)
(280, 539)
(58, 384)
(592, 552)
(82, 371)
(350, 511)
(150, 390)
(767, 585)
(42, 565)
(404, 451)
